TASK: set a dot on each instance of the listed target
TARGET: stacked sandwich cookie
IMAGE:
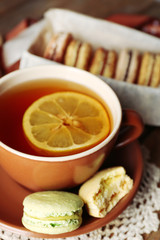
(57, 46)
(78, 54)
(149, 74)
(104, 63)
(128, 65)
(140, 68)
(52, 212)
(63, 48)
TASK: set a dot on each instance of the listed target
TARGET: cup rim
(73, 156)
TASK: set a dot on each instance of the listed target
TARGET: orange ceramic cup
(44, 173)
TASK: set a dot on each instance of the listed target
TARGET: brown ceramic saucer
(12, 195)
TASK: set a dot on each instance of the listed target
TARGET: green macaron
(52, 212)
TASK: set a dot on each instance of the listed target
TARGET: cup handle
(131, 128)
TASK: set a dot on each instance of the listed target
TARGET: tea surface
(15, 101)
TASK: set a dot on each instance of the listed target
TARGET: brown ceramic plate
(12, 195)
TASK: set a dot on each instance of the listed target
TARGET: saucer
(12, 195)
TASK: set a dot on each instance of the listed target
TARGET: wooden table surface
(12, 12)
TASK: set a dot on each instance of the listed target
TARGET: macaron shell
(104, 190)
(97, 62)
(122, 65)
(133, 67)
(42, 227)
(155, 79)
(50, 48)
(52, 203)
(92, 184)
(56, 48)
(71, 54)
(146, 67)
(110, 65)
(62, 43)
(84, 55)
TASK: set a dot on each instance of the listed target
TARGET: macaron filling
(58, 221)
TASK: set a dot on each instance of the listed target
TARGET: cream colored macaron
(104, 190)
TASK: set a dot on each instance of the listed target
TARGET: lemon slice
(65, 123)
